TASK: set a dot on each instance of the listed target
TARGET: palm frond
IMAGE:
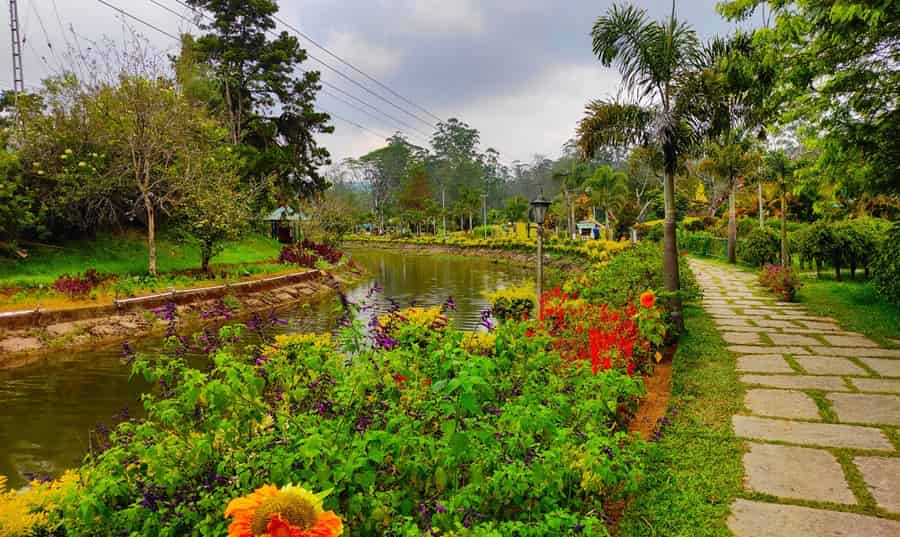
(612, 124)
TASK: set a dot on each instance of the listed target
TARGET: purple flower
(128, 353)
(375, 289)
(449, 304)
(486, 319)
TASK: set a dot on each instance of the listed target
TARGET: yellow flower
(479, 343)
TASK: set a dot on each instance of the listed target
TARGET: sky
(520, 71)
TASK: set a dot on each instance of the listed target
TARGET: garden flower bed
(406, 425)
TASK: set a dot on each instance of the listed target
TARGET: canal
(48, 407)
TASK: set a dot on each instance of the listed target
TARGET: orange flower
(648, 299)
(288, 512)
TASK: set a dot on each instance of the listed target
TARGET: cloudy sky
(518, 70)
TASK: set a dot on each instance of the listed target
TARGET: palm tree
(779, 164)
(730, 159)
(607, 188)
(652, 56)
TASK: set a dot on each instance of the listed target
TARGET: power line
(303, 35)
(333, 69)
(140, 20)
(324, 82)
(360, 71)
(350, 104)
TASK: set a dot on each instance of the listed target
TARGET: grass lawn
(27, 283)
(855, 304)
(124, 255)
(694, 471)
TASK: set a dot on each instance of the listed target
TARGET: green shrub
(762, 245)
(630, 273)
(847, 243)
(886, 265)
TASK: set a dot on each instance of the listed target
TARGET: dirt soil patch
(647, 420)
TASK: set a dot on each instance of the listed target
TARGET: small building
(285, 224)
(589, 229)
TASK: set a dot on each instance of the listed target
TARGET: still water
(48, 407)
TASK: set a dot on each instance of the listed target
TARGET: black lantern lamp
(539, 207)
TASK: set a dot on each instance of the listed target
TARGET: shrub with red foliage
(326, 252)
(77, 286)
(781, 280)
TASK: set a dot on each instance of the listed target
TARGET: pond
(48, 407)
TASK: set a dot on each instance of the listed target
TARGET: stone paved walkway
(821, 416)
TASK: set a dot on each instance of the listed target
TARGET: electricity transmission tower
(18, 77)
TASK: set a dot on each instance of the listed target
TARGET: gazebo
(589, 229)
(285, 224)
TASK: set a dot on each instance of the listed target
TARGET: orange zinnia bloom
(648, 299)
(289, 512)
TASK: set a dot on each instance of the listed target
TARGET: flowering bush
(27, 512)
(77, 286)
(781, 280)
(481, 343)
(607, 338)
(590, 250)
(424, 437)
(512, 303)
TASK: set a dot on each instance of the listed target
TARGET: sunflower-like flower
(287, 512)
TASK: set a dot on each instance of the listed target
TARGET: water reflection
(48, 407)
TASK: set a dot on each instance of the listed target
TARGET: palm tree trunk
(670, 252)
(732, 227)
(606, 231)
(784, 243)
(762, 220)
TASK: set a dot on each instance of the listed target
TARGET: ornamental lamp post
(539, 208)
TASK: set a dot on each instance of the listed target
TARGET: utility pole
(18, 77)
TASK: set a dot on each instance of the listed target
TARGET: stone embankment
(24, 335)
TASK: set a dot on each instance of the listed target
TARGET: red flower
(648, 299)
(399, 379)
(529, 333)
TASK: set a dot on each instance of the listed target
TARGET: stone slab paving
(884, 367)
(764, 363)
(759, 349)
(797, 382)
(794, 450)
(750, 338)
(866, 408)
(877, 385)
(815, 434)
(759, 519)
(781, 404)
(881, 475)
(784, 471)
(849, 341)
(829, 365)
(792, 339)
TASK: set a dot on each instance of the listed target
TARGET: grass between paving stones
(694, 471)
(855, 304)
